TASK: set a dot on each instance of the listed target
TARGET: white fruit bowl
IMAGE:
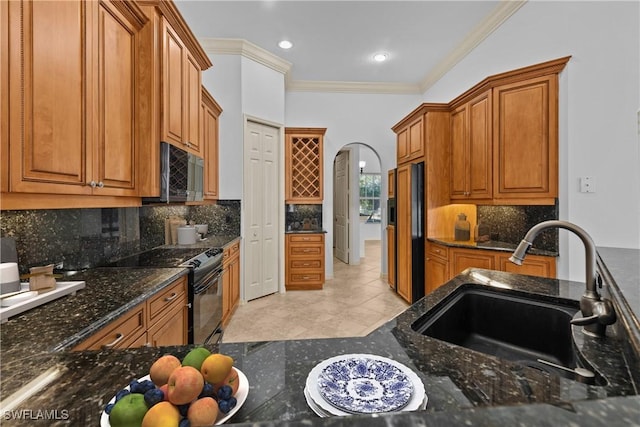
(241, 396)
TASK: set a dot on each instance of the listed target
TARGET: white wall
(350, 118)
(599, 101)
(241, 87)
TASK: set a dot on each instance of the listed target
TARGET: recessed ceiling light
(285, 44)
(380, 57)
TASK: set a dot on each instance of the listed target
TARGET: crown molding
(501, 13)
(352, 87)
(248, 50)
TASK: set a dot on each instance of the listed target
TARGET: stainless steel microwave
(181, 176)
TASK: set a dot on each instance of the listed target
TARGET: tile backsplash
(86, 238)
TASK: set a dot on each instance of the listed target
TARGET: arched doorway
(357, 203)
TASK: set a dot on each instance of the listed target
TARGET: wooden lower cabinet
(444, 263)
(127, 331)
(437, 267)
(391, 256)
(305, 261)
(161, 320)
(230, 281)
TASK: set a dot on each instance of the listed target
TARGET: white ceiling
(334, 41)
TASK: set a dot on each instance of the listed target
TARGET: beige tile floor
(355, 302)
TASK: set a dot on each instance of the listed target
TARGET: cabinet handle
(305, 277)
(306, 250)
(171, 298)
(306, 264)
(93, 184)
(101, 184)
(305, 238)
(437, 251)
(119, 338)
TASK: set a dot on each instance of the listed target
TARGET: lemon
(195, 357)
(128, 411)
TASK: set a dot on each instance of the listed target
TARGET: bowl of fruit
(203, 389)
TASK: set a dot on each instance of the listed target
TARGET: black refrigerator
(409, 226)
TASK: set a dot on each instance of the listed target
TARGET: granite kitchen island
(462, 386)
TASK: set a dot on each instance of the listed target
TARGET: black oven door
(207, 309)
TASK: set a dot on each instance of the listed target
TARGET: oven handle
(208, 280)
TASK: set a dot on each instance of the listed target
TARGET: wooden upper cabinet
(181, 92)
(410, 141)
(73, 116)
(391, 175)
(471, 145)
(304, 165)
(526, 139)
(209, 137)
(115, 154)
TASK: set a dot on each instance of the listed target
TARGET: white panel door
(341, 207)
(261, 210)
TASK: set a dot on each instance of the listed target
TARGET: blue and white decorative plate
(362, 384)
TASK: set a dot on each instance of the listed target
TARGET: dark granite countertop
(463, 386)
(210, 241)
(492, 245)
(314, 231)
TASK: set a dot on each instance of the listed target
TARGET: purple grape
(153, 396)
(183, 409)
(223, 405)
(207, 391)
(185, 423)
(122, 393)
(232, 402)
(225, 392)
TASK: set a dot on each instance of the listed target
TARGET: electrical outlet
(587, 184)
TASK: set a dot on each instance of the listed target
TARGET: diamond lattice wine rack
(304, 165)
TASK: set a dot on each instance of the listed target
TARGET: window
(370, 196)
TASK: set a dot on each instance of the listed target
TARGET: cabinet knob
(171, 297)
(93, 184)
(100, 184)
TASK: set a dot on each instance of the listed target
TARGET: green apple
(195, 357)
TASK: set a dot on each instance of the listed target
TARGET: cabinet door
(459, 173)
(402, 145)
(436, 274)
(403, 230)
(411, 141)
(115, 151)
(391, 256)
(210, 142)
(462, 259)
(226, 294)
(391, 175)
(533, 265)
(173, 78)
(193, 89)
(49, 124)
(234, 269)
(526, 141)
(480, 167)
(172, 328)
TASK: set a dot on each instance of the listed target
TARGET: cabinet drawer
(305, 264)
(306, 277)
(172, 294)
(438, 251)
(306, 238)
(305, 250)
(231, 251)
(121, 333)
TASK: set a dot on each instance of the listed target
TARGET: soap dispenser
(462, 231)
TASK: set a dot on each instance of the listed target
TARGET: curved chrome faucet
(597, 312)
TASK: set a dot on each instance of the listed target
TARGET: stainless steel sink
(519, 328)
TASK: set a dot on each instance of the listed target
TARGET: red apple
(232, 379)
(185, 384)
